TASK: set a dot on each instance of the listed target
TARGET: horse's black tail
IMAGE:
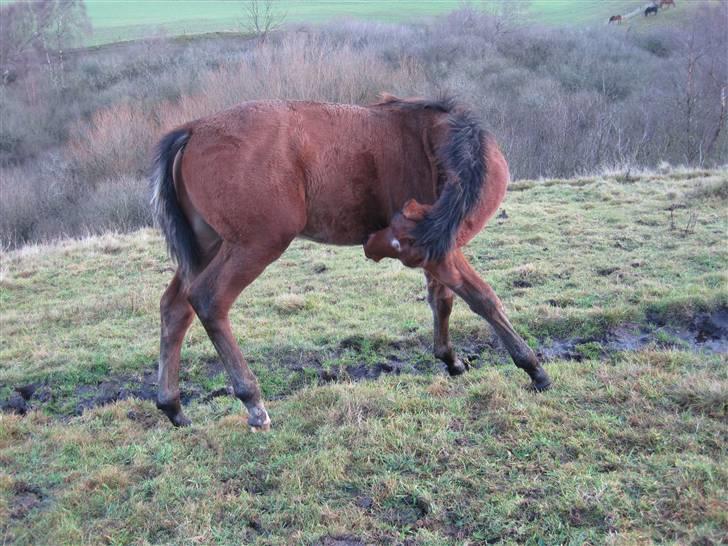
(168, 215)
(463, 157)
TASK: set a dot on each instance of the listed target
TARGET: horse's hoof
(173, 411)
(180, 420)
(540, 383)
(539, 387)
(540, 380)
(263, 428)
(259, 421)
(457, 368)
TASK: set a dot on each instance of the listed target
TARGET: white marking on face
(395, 245)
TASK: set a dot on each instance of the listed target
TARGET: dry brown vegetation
(73, 150)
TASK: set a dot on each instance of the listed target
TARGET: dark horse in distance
(410, 179)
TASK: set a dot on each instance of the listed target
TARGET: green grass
(116, 20)
(629, 447)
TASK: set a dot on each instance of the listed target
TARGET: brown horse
(616, 19)
(231, 191)
(665, 3)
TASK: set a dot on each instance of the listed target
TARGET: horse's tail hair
(168, 214)
(463, 157)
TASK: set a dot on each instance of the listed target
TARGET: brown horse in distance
(665, 3)
(616, 19)
(409, 179)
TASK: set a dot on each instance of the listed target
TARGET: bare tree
(42, 28)
(262, 17)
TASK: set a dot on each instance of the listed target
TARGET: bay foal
(409, 179)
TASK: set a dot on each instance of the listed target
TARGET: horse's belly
(343, 225)
(344, 210)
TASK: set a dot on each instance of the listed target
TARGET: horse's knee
(439, 296)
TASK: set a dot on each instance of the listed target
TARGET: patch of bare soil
(25, 498)
(706, 332)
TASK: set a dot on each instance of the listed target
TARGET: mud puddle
(706, 332)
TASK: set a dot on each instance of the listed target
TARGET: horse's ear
(415, 211)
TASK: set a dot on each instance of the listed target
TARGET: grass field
(614, 277)
(116, 20)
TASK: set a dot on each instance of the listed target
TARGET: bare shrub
(120, 204)
(35, 206)
(114, 144)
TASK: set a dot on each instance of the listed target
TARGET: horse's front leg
(456, 273)
(440, 298)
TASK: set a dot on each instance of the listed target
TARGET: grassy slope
(131, 19)
(631, 446)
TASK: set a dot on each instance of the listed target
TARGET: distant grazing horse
(615, 19)
(409, 179)
(652, 10)
(665, 3)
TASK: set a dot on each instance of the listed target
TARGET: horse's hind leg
(458, 274)
(440, 298)
(177, 315)
(212, 294)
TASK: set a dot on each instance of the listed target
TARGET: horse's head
(396, 240)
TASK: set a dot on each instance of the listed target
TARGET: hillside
(619, 281)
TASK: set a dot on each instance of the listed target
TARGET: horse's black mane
(444, 103)
(463, 156)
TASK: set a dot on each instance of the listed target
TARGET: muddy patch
(87, 396)
(19, 401)
(706, 332)
(25, 498)
(115, 389)
(355, 358)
